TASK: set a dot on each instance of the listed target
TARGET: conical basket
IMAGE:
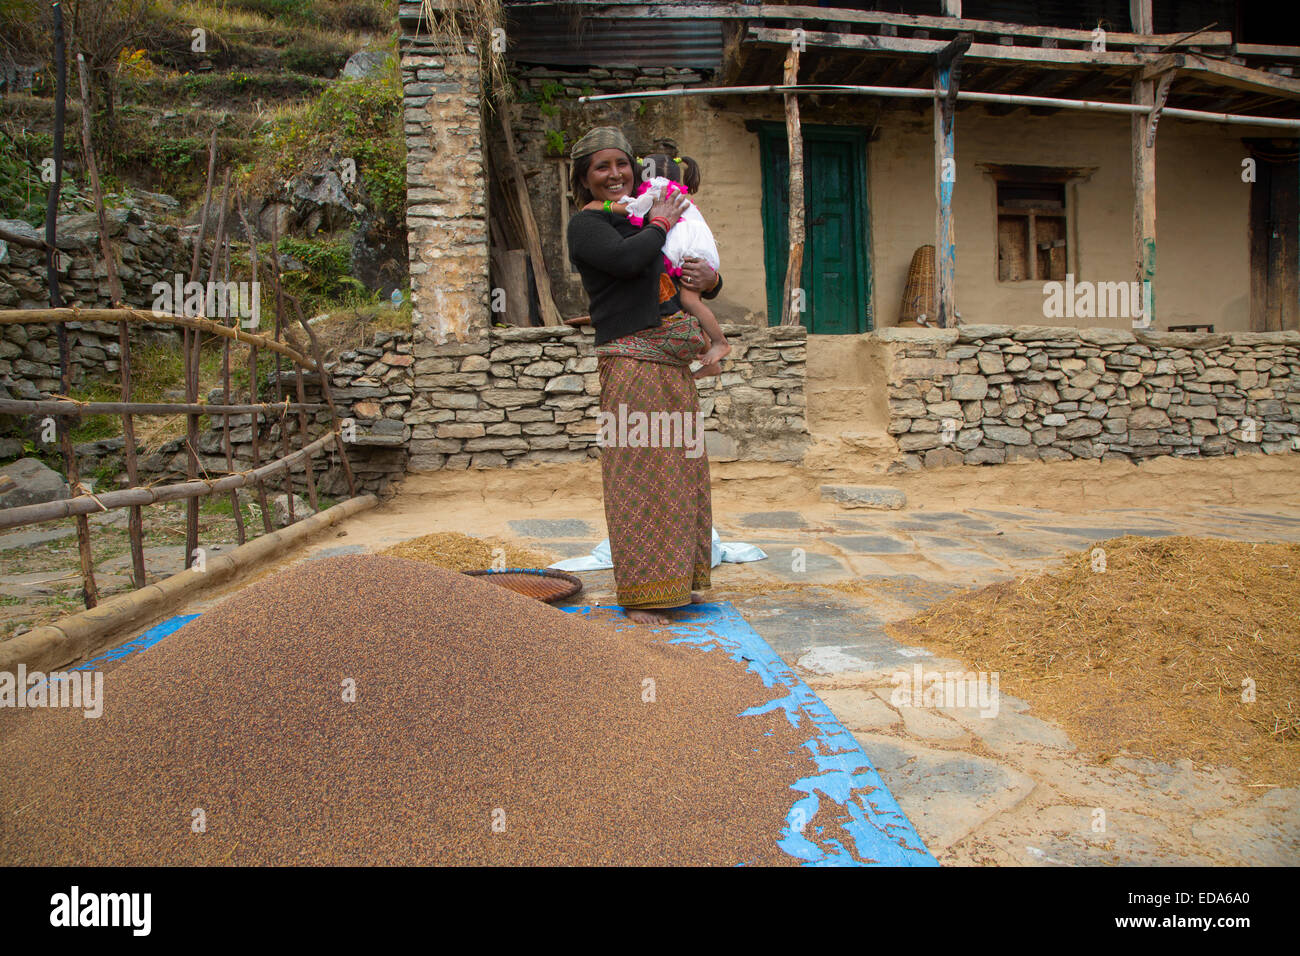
(918, 294)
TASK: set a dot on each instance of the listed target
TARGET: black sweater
(620, 265)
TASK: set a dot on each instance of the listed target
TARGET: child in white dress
(689, 238)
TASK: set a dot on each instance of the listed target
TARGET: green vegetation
(359, 119)
(22, 194)
(326, 280)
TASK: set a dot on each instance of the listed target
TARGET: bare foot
(698, 598)
(649, 617)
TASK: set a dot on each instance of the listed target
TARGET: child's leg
(719, 348)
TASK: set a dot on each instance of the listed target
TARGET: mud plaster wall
(727, 154)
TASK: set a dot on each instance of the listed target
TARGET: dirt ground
(1009, 791)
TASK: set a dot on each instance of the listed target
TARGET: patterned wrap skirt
(657, 504)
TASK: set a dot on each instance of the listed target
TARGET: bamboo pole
(53, 316)
(135, 523)
(794, 266)
(85, 504)
(67, 408)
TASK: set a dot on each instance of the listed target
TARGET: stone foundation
(992, 394)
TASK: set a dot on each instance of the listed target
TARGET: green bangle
(609, 205)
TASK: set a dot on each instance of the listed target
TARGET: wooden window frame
(1063, 176)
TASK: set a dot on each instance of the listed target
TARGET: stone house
(1045, 152)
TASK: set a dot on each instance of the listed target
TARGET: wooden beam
(991, 52)
(1276, 52)
(1241, 77)
(794, 138)
(1144, 196)
(1170, 61)
(752, 12)
(947, 80)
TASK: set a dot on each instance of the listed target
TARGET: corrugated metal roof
(553, 38)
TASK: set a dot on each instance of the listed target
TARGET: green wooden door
(836, 267)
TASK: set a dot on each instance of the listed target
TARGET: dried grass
(460, 552)
(1153, 655)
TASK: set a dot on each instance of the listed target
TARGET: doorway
(836, 276)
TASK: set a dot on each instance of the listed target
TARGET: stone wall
(146, 251)
(532, 394)
(370, 385)
(990, 394)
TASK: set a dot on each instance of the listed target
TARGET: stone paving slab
(872, 544)
(773, 519)
(946, 795)
(552, 528)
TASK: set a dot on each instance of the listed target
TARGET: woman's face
(610, 175)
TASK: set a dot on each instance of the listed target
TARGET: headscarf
(602, 137)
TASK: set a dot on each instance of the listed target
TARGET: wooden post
(90, 593)
(279, 386)
(235, 510)
(1144, 199)
(947, 78)
(794, 138)
(1140, 18)
(326, 394)
(252, 377)
(135, 520)
(532, 237)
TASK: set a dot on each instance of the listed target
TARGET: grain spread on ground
(486, 728)
(1173, 648)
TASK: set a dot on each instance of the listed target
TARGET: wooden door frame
(1266, 153)
(769, 135)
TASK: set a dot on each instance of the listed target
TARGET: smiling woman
(656, 494)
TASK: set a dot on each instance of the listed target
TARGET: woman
(657, 503)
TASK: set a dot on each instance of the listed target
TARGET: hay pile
(372, 710)
(460, 552)
(1149, 655)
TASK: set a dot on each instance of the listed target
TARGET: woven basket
(544, 584)
(918, 294)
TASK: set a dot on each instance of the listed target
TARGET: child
(689, 238)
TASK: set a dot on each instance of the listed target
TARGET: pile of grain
(473, 706)
(1153, 655)
(460, 552)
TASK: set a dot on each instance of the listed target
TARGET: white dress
(689, 238)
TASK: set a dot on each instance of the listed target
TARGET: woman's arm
(595, 242)
(698, 276)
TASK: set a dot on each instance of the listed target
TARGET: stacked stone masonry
(446, 217)
(532, 394)
(146, 252)
(992, 394)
